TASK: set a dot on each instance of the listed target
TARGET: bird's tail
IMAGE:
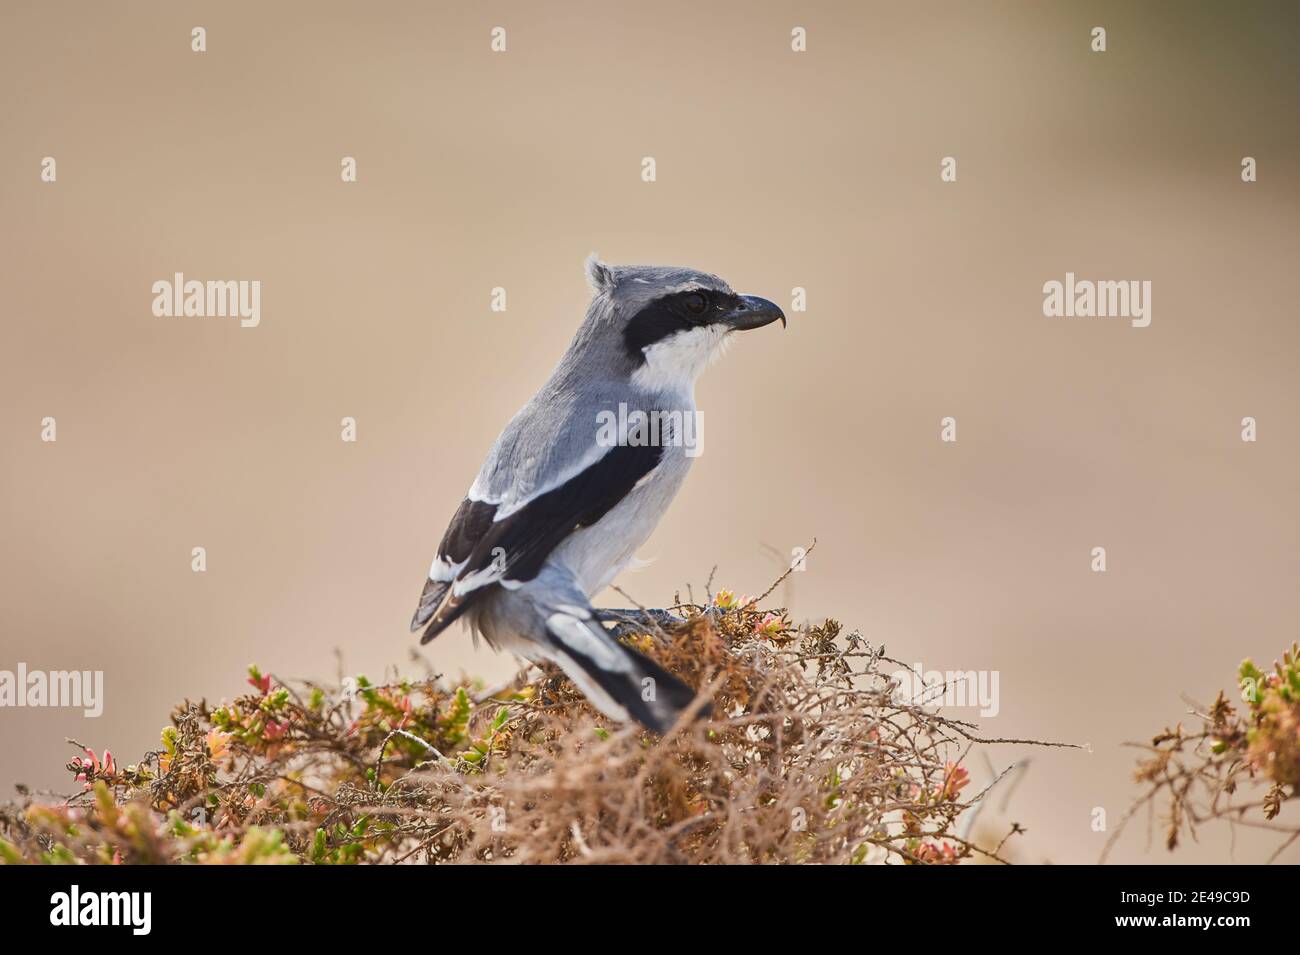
(620, 682)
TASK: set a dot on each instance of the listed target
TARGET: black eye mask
(675, 313)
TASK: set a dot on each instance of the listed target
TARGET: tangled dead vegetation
(1239, 766)
(808, 758)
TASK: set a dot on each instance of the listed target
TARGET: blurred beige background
(775, 170)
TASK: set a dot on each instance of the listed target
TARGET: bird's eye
(696, 303)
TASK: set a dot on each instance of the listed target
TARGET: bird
(581, 476)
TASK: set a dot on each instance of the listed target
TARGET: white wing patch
(493, 573)
(444, 571)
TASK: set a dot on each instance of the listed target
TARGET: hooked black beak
(753, 312)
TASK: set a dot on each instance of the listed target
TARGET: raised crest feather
(600, 277)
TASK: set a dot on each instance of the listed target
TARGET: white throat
(676, 362)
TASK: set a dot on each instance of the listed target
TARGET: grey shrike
(562, 503)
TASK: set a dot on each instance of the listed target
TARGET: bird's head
(672, 322)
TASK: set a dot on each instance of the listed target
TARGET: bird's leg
(627, 622)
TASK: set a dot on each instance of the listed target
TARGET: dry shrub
(807, 758)
(1239, 766)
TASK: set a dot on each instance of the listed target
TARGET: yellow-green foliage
(1237, 765)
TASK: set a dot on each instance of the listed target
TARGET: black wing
(468, 525)
(514, 548)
